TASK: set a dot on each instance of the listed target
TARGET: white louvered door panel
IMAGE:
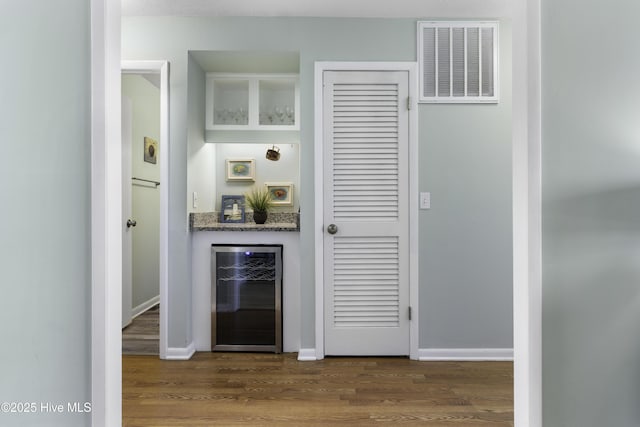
(366, 197)
(366, 282)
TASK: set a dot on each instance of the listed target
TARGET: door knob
(131, 223)
(332, 229)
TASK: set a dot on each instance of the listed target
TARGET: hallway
(142, 336)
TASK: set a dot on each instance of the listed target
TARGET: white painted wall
(287, 169)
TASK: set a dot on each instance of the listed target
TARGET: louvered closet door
(366, 198)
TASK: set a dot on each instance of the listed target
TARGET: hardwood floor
(142, 336)
(244, 389)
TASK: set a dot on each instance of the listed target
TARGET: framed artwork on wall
(232, 209)
(150, 150)
(281, 193)
(241, 170)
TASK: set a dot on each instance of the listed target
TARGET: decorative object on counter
(260, 201)
(273, 153)
(232, 209)
(281, 193)
(150, 150)
(241, 170)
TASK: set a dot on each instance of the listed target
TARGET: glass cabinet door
(254, 102)
(231, 102)
(277, 102)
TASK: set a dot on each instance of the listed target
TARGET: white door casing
(366, 274)
(127, 232)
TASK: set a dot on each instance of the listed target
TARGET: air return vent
(458, 61)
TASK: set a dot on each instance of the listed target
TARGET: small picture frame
(150, 150)
(232, 209)
(241, 170)
(281, 193)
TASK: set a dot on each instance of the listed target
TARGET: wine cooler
(246, 308)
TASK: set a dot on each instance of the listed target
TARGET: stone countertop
(277, 221)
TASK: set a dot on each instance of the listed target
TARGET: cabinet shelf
(264, 102)
(251, 269)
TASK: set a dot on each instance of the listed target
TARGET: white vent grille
(458, 61)
(366, 282)
(365, 152)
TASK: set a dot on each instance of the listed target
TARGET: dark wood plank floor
(142, 336)
(243, 389)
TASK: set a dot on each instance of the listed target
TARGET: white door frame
(127, 212)
(320, 68)
(526, 143)
(162, 68)
(106, 215)
(106, 369)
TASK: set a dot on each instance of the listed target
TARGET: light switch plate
(425, 200)
(195, 199)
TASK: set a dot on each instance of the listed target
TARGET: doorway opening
(145, 124)
(526, 141)
(140, 213)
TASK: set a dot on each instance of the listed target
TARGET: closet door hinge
(409, 312)
(408, 103)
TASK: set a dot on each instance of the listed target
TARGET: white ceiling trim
(320, 8)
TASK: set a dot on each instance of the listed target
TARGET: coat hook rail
(146, 180)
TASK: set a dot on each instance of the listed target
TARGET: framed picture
(241, 170)
(281, 193)
(150, 150)
(232, 209)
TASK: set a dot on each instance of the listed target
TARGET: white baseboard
(307, 354)
(440, 354)
(181, 353)
(465, 354)
(139, 309)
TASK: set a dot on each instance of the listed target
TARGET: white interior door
(127, 232)
(366, 212)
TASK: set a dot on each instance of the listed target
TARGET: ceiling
(329, 8)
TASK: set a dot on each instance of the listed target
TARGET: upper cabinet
(252, 102)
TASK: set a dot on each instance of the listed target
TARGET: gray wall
(201, 166)
(590, 213)
(45, 180)
(465, 240)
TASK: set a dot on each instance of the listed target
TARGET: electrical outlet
(425, 200)
(195, 199)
